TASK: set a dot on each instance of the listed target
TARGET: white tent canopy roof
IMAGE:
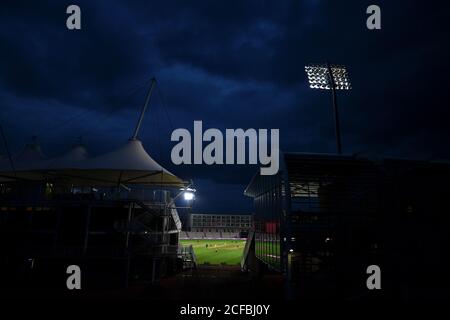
(70, 159)
(131, 156)
(129, 164)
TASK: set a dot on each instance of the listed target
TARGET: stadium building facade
(323, 219)
(217, 226)
(219, 222)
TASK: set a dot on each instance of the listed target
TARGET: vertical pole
(335, 110)
(144, 107)
(129, 218)
(127, 244)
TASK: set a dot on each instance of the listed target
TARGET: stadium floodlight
(330, 77)
(189, 194)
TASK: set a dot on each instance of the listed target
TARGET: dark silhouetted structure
(113, 215)
(323, 219)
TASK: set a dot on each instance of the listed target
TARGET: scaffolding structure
(106, 233)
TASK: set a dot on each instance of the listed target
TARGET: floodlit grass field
(217, 251)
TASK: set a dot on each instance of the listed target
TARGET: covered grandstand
(114, 211)
(186, 235)
(217, 226)
(114, 215)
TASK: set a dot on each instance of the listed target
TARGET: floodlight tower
(330, 77)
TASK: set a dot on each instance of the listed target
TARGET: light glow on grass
(216, 252)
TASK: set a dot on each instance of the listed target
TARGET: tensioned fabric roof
(129, 164)
(70, 158)
(31, 157)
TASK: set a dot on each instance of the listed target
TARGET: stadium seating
(230, 235)
(186, 235)
(195, 235)
(212, 235)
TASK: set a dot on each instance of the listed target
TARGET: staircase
(186, 253)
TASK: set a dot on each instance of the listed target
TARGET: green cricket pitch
(207, 251)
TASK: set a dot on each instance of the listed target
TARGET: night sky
(231, 64)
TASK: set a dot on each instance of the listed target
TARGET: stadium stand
(184, 235)
(188, 235)
(212, 235)
(195, 235)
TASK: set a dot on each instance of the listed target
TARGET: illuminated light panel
(188, 196)
(318, 77)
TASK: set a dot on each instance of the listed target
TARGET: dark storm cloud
(231, 64)
(42, 59)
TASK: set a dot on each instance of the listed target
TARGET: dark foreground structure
(323, 219)
(113, 215)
